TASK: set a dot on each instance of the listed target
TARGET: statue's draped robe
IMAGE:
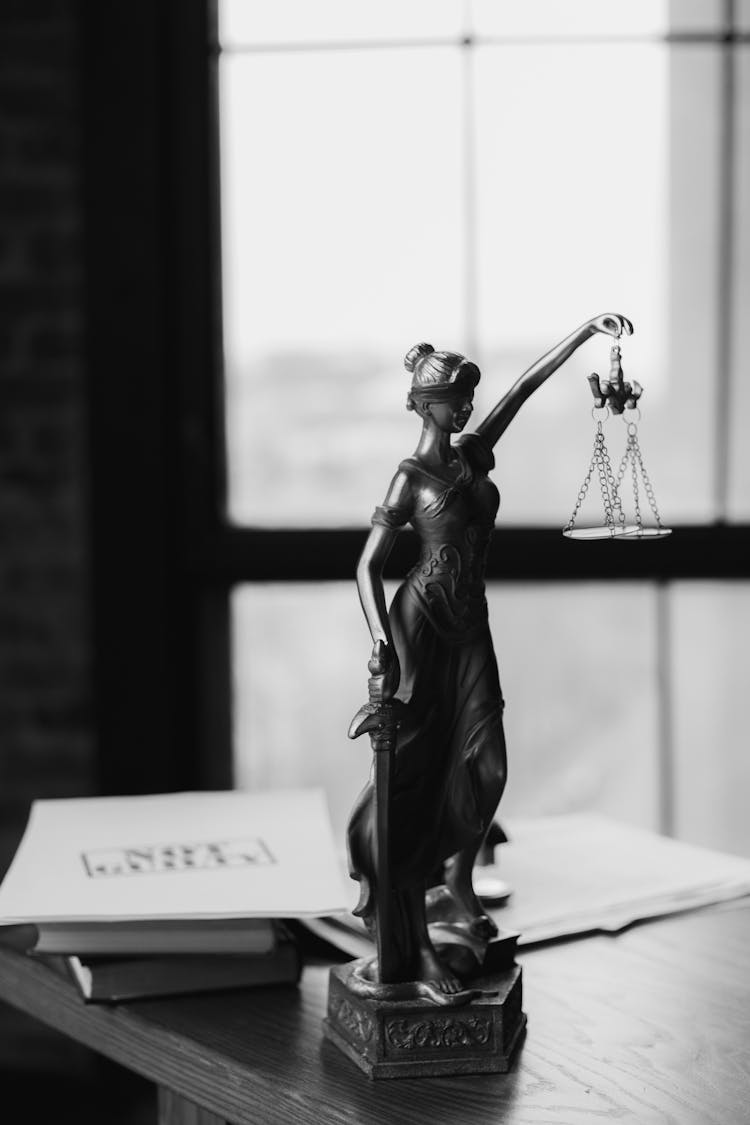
(449, 765)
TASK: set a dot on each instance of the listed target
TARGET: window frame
(163, 559)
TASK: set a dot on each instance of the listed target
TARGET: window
(484, 177)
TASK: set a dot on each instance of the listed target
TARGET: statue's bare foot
(437, 974)
(440, 985)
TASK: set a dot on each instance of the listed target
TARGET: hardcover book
(115, 979)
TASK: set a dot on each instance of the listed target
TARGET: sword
(380, 719)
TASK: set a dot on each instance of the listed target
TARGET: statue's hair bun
(413, 356)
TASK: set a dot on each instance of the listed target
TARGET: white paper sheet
(578, 873)
(179, 855)
(571, 874)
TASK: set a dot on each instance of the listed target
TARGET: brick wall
(46, 738)
(46, 729)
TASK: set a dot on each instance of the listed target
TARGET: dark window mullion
(516, 554)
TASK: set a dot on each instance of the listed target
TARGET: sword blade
(387, 954)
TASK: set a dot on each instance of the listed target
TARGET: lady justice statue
(435, 710)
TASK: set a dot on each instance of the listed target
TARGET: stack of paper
(576, 874)
(174, 874)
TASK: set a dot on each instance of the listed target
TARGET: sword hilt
(381, 715)
(380, 721)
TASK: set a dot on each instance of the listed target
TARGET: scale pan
(632, 531)
(598, 532)
(629, 531)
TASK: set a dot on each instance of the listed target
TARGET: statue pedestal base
(413, 1038)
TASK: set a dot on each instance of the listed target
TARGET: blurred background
(485, 177)
(222, 226)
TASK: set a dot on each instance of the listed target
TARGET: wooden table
(649, 1026)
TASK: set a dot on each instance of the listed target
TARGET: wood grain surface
(650, 1026)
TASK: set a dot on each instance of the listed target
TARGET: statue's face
(451, 416)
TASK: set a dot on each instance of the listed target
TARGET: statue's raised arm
(497, 421)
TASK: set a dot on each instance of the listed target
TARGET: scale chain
(636, 498)
(601, 462)
(650, 495)
(582, 491)
(634, 455)
(608, 487)
(612, 494)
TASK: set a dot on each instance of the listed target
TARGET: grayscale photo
(375, 513)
